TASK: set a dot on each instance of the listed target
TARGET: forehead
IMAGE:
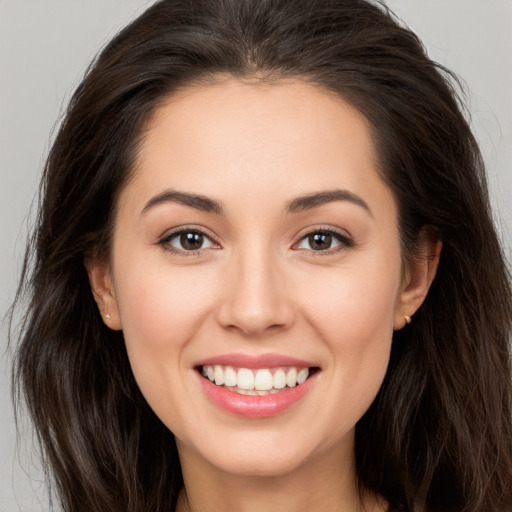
(262, 140)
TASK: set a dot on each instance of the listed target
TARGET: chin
(266, 454)
(262, 464)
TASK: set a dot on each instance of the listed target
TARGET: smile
(256, 386)
(255, 382)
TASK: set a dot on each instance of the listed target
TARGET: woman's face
(257, 244)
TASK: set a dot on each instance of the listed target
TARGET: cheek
(354, 316)
(161, 308)
(354, 306)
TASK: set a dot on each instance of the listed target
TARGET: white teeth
(302, 375)
(219, 375)
(245, 379)
(229, 376)
(263, 380)
(255, 382)
(279, 379)
(291, 378)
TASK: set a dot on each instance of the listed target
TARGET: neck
(328, 484)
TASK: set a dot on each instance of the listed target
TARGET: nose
(255, 298)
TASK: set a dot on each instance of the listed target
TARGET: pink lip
(251, 361)
(249, 406)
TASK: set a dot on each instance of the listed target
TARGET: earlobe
(418, 279)
(100, 280)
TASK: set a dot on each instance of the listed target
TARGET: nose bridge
(254, 298)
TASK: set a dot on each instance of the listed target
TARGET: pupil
(320, 241)
(191, 241)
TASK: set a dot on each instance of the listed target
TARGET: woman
(265, 274)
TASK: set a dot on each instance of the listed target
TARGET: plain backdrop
(45, 46)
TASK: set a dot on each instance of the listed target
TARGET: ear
(100, 279)
(417, 278)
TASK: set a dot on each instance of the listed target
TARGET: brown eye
(320, 241)
(324, 241)
(191, 241)
(187, 241)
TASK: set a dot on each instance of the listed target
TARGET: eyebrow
(298, 204)
(196, 201)
(320, 198)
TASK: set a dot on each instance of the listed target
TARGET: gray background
(45, 46)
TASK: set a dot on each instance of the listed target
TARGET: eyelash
(165, 241)
(344, 241)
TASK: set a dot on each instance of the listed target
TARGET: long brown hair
(438, 437)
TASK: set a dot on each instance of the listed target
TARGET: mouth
(256, 386)
(256, 381)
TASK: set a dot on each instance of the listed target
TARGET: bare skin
(295, 251)
(330, 482)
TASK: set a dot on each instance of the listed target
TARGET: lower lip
(250, 406)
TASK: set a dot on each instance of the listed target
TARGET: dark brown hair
(438, 437)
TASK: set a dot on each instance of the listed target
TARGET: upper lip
(255, 361)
